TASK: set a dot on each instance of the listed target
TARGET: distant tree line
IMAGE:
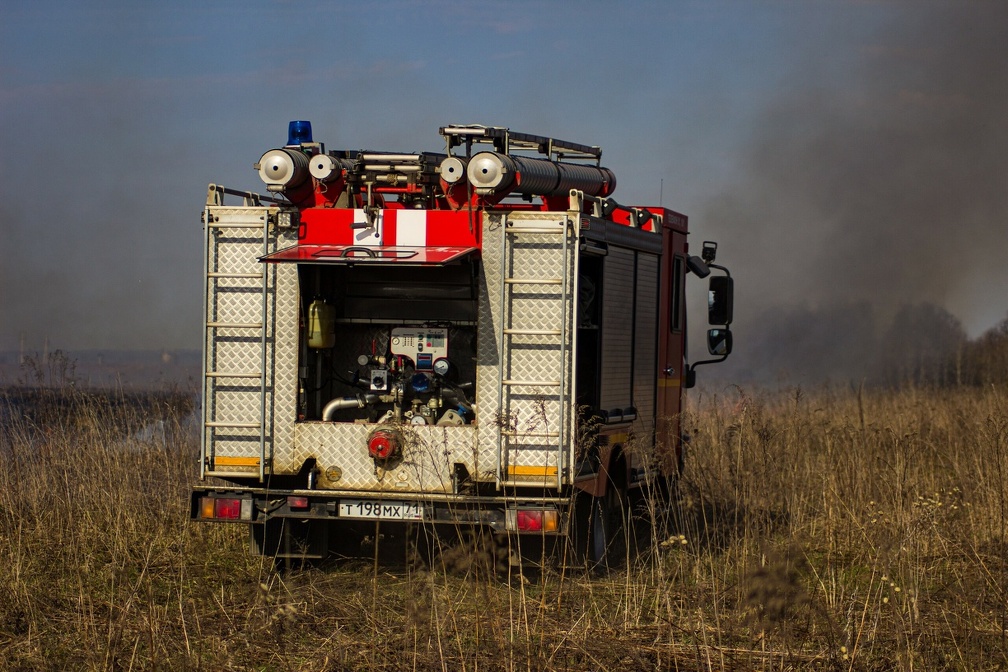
(928, 346)
(925, 345)
(984, 360)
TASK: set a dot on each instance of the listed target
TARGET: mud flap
(289, 539)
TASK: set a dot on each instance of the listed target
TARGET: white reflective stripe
(411, 228)
(367, 237)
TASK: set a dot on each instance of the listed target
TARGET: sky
(849, 156)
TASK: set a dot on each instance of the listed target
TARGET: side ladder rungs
(236, 320)
(532, 435)
(536, 267)
(538, 229)
(236, 425)
(234, 325)
(531, 383)
(229, 474)
(223, 374)
(236, 225)
(234, 374)
(251, 276)
(533, 281)
(532, 332)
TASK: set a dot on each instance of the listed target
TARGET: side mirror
(719, 300)
(719, 342)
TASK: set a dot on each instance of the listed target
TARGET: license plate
(380, 510)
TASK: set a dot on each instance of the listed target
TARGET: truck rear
(480, 339)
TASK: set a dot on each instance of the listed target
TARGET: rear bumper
(257, 506)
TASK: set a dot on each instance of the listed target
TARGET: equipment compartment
(404, 342)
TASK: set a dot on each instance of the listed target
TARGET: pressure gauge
(441, 366)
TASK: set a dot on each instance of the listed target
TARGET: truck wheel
(607, 546)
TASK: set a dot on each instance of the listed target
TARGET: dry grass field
(831, 530)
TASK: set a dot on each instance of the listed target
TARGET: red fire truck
(478, 339)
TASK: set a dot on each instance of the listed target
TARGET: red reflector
(530, 521)
(297, 502)
(227, 508)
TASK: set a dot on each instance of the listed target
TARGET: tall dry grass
(835, 530)
(863, 527)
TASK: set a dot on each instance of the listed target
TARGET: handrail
(215, 196)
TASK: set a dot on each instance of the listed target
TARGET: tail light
(225, 508)
(534, 520)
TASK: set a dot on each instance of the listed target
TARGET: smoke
(873, 180)
(871, 187)
(91, 257)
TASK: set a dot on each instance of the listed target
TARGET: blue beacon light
(299, 133)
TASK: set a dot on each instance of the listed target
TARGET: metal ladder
(534, 306)
(234, 391)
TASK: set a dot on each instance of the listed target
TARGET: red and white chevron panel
(390, 228)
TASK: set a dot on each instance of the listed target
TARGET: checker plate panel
(427, 464)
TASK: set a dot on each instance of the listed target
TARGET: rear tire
(608, 549)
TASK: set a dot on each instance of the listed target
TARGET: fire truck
(479, 339)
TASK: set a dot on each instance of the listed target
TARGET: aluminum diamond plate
(488, 343)
(429, 456)
(238, 296)
(432, 451)
(537, 248)
(281, 358)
